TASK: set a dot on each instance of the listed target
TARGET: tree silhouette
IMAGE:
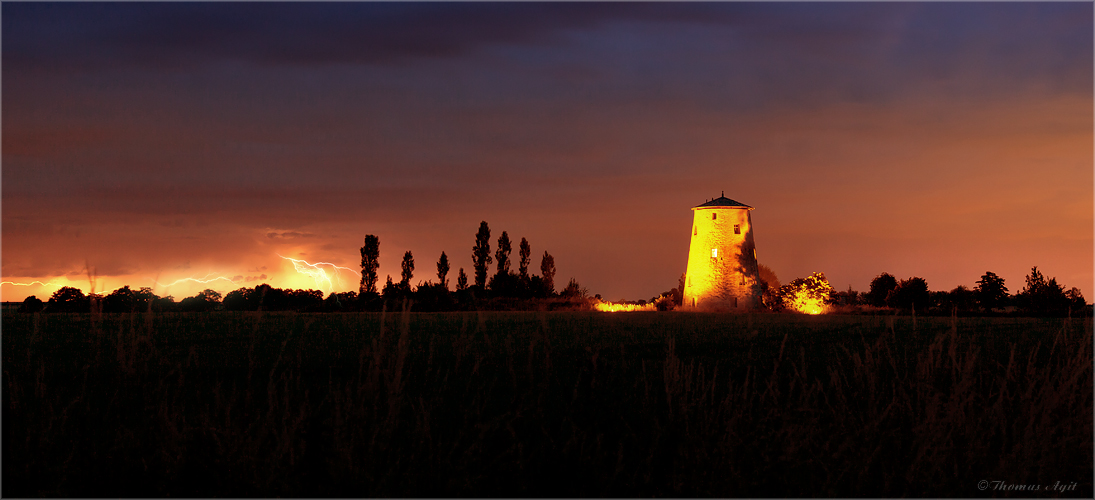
(206, 300)
(461, 281)
(241, 299)
(120, 300)
(1042, 296)
(547, 270)
(770, 294)
(370, 262)
(525, 252)
(990, 291)
(537, 288)
(267, 298)
(212, 296)
(163, 304)
(340, 301)
(881, 286)
(304, 300)
(408, 271)
(68, 299)
(502, 254)
(194, 304)
(443, 270)
(574, 290)
(430, 297)
(480, 255)
(143, 298)
(390, 291)
(847, 297)
(32, 304)
(909, 294)
(1076, 300)
(960, 299)
(1035, 281)
(503, 283)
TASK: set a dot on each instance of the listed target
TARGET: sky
(163, 144)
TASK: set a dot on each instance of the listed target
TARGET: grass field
(544, 404)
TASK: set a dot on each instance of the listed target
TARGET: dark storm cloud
(205, 204)
(98, 36)
(1013, 42)
(772, 52)
(103, 35)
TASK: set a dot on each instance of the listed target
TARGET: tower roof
(723, 201)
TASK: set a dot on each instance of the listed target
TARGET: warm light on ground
(808, 305)
(610, 307)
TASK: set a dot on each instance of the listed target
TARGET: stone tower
(722, 270)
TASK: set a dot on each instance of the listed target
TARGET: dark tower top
(723, 201)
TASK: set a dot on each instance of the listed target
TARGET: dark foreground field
(545, 404)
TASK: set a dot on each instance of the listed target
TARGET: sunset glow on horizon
(146, 146)
(305, 275)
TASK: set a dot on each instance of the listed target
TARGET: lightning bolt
(32, 283)
(106, 292)
(317, 273)
(203, 280)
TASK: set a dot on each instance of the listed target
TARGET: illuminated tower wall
(722, 259)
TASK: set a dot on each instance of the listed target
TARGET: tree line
(1038, 297)
(124, 299)
(505, 288)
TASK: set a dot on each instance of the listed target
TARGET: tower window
(695, 231)
(714, 216)
(737, 229)
(714, 253)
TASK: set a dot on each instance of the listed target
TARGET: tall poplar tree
(526, 250)
(443, 270)
(547, 270)
(502, 254)
(461, 280)
(408, 271)
(480, 254)
(370, 262)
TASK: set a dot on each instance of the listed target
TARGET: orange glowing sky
(157, 142)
